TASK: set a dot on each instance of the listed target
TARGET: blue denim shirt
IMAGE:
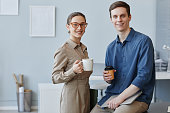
(133, 61)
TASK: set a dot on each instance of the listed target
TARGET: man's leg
(97, 109)
(135, 107)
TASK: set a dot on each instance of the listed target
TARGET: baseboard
(15, 107)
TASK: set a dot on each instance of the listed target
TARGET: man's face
(77, 26)
(120, 19)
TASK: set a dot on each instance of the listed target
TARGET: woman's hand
(78, 66)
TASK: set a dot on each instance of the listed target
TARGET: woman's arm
(59, 74)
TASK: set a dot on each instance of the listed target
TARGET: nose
(119, 18)
(79, 27)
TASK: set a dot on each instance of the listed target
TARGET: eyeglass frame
(79, 24)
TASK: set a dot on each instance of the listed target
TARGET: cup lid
(108, 68)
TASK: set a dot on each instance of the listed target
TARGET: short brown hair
(73, 15)
(119, 4)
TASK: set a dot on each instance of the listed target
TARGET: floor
(11, 111)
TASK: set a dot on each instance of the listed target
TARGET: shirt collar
(129, 37)
(74, 45)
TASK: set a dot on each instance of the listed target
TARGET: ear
(111, 19)
(130, 17)
(68, 27)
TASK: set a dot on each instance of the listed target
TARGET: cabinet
(49, 97)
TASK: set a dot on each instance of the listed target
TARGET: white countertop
(101, 84)
(162, 75)
(159, 76)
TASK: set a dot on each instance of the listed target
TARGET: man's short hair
(119, 4)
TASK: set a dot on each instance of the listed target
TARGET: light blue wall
(33, 57)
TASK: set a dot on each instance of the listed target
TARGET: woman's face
(77, 26)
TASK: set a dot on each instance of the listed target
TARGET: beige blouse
(75, 97)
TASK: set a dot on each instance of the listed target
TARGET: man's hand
(115, 102)
(107, 77)
(78, 66)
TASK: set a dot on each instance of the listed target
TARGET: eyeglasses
(76, 25)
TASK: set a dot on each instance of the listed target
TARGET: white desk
(162, 75)
(101, 85)
(159, 76)
(49, 94)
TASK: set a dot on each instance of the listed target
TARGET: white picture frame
(42, 21)
(9, 7)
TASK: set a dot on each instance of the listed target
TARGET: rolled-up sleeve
(60, 75)
(145, 64)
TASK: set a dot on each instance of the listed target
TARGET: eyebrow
(78, 22)
(119, 15)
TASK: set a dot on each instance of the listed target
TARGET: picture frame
(42, 21)
(9, 7)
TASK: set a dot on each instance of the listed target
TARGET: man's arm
(131, 90)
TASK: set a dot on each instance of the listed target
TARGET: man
(132, 56)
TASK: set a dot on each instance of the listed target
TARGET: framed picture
(8, 7)
(42, 21)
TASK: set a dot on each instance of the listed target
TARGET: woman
(68, 68)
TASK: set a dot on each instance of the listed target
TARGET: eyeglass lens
(76, 25)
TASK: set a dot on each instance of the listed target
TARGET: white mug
(87, 64)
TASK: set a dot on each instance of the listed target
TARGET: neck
(123, 35)
(75, 39)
